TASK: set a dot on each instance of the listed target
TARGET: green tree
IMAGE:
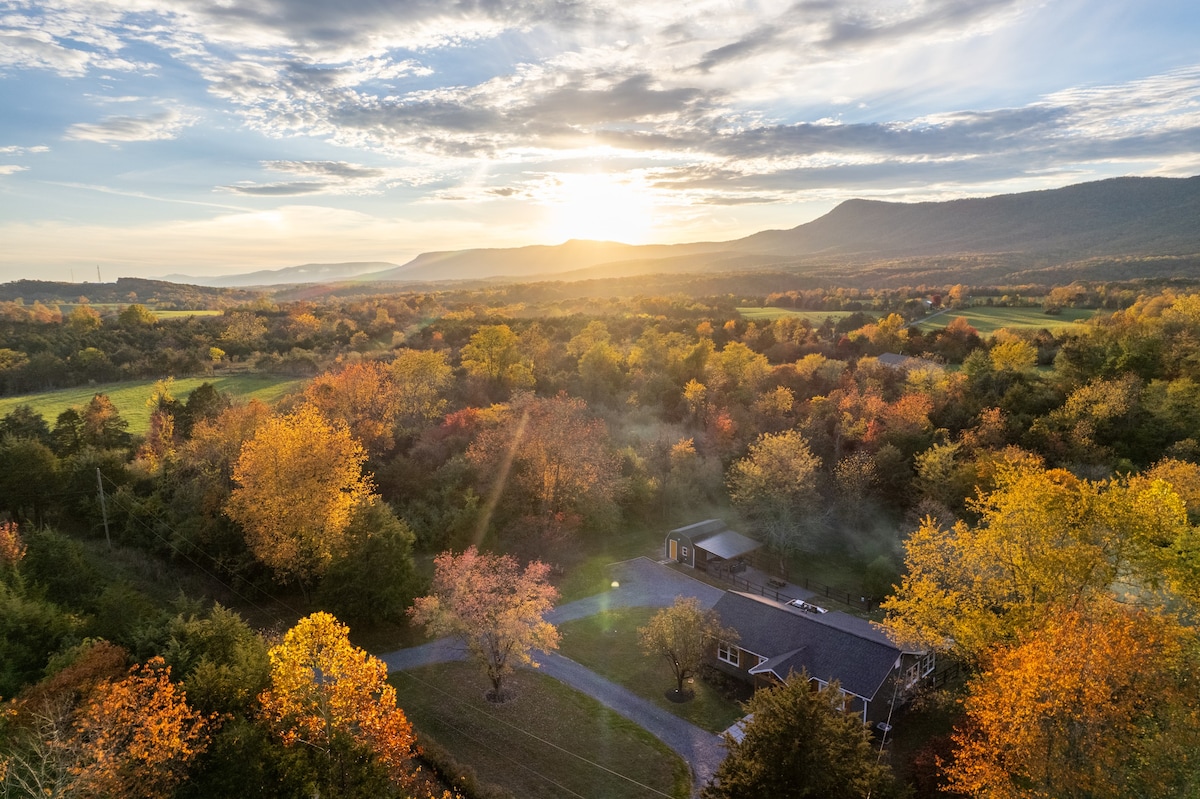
(682, 634)
(799, 744)
(28, 478)
(375, 579)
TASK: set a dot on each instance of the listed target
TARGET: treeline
(434, 422)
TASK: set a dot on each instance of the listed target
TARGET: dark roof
(842, 648)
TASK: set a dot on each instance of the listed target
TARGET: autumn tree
(683, 634)
(1095, 705)
(102, 425)
(798, 743)
(493, 356)
(298, 481)
(330, 697)
(421, 378)
(774, 485)
(362, 397)
(494, 606)
(550, 457)
(137, 736)
(1045, 542)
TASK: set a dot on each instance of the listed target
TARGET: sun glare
(598, 207)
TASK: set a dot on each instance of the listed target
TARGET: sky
(142, 138)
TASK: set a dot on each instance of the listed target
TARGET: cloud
(117, 129)
(9, 169)
(13, 149)
(320, 177)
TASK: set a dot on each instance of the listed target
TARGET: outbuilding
(708, 544)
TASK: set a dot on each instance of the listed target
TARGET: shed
(708, 542)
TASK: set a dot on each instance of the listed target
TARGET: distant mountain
(307, 273)
(1119, 217)
(1111, 219)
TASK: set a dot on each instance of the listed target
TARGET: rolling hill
(1116, 218)
(1097, 228)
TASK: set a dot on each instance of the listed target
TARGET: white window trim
(729, 653)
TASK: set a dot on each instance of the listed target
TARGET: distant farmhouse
(776, 639)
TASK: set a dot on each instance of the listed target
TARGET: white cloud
(9, 169)
(118, 129)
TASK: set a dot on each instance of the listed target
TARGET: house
(707, 545)
(776, 639)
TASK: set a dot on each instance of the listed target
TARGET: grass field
(548, 742)
(770, 314)
(607, 643)
(987, 319)
(130, 397)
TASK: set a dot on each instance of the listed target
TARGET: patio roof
(727, 544)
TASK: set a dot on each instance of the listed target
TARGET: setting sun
(598, 207)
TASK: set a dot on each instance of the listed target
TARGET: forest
(1023, 500)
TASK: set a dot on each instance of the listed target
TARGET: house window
(927, 664)
(729, 654)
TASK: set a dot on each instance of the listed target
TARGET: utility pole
(103, 506)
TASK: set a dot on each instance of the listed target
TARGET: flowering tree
(495, 607)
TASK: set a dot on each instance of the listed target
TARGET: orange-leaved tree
(1099, 704)
(298, 481)
(334, 697)
(494, 606)
(136, 737)
(364, 398)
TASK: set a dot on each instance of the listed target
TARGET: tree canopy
(494, 606)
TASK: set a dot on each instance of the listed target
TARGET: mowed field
(549, 742)
(770, 314)
(989, 319)
(130, 397)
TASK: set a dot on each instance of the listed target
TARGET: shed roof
(857, 656)
(726, 544)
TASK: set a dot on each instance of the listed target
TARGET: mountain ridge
(1111, 218)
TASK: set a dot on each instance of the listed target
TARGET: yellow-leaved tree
(334, 698)
(1046, 543)
(298, 482)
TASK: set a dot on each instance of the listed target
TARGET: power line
(537, 738)
(135, 514)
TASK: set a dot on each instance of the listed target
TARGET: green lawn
(130, 397)
(608, 644)
(770, 314)
(550, 741)
(987, 319)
